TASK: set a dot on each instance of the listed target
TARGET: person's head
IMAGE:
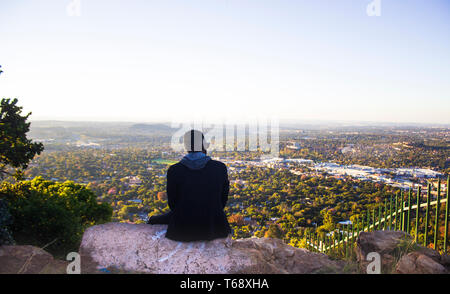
(194, 141)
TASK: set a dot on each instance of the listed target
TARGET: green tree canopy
(16, 150)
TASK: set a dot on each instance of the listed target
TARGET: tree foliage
(16, 150)
(43, 211)
(274, 231)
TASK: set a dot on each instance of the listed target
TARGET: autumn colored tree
(236, 219)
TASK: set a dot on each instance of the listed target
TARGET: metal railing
(404, 212)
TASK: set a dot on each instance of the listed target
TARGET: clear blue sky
(158, 60)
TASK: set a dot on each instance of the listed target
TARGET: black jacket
(197, 198)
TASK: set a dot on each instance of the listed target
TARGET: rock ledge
(143, 248)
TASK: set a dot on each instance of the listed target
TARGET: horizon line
(281, 121)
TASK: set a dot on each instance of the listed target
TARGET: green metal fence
(409, 212)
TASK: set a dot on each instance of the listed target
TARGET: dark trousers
(162, 219)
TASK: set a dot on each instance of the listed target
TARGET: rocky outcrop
(399, 254)
(143, 248)
(385, 243)
(419, 263)
(131, 248)
(28, 259)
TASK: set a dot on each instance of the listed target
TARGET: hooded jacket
(197, 192)
(195, 160)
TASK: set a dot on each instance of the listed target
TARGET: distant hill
(67, 132)
(151, 128)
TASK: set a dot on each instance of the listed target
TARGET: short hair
(194, 141)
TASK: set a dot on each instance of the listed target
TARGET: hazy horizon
(146, 61)
(283, 122)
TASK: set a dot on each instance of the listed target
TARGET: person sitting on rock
(197, 192)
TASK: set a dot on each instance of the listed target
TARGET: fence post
(408, 219)
(329, 243)
(436, 223)
(352, 239)
(354, 229)
(417, 214)
(362, 223)
(306, 240)
(446, 218)
(427, 215)
(390, 214)
(385, 215)
(379, 217)
(321, 243)
(350, 243)
(345, 239)
(317, 242)
(373, 220)
(402, 218)
(335, 236)
(339, 241)
(368, 220)
(314, 242)
(396, 212)
(346, 242)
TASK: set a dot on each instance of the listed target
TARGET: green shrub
(5, 221)
(46, 212)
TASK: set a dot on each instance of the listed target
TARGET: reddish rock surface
(28, 259)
